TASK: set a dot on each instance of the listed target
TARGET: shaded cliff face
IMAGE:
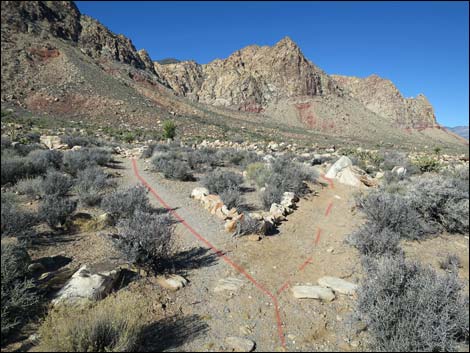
(62, 20)
(382, 97)
(251, 78)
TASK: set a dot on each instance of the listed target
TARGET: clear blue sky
(421, 46)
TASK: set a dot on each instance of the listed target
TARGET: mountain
(460, 130)
(382, 97)
(58, 62)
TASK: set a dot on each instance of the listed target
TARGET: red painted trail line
(328, 209)
(329, 180)
(217, 251)
(317, 238)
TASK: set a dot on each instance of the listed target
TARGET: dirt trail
(309, 245)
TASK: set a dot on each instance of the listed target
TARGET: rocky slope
(382, 97)
(58, 62)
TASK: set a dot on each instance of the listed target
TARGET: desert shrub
(24, 149)
(395, 212)
(148, 151)
(75, 161)
(271, 194)
(443, 200)
(33, 137)
(232, 197)
(203, 158)
(391, 159)
(258, 172)
(98, 155)
(169, 129)
(450, 263)
(123, 203)
(14, 169)
(29, 186)
(372, 241)
(19, 298)
(85, 157)
(174, 169)
(112, 325)
(55, 183)
(219, 181)
(90, 185)
(146, 239)
(56, 210)
(247, 225)
(408, 307)
(44, 160)
(72, 141)
(5, 142)
(237, 157)
(15, 221)
(427, 164)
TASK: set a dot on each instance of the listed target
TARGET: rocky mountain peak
(382, 97)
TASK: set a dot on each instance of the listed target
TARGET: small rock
(338, 285)
(36, 267)
(199, 192)
(239, 344)
(229, 284)
(313, 292)
(173, 282)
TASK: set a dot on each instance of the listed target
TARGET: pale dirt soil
(200, 319)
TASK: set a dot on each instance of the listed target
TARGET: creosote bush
(19, 297)
(29, 186)
(75, 161)
(146, 239)
(408, 307)
(112, 325)
(123, 203)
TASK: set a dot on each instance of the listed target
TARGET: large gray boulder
(91, 283)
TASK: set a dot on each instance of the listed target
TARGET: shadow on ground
(192, 259)
(172, 332)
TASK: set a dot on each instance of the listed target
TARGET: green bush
(219, 181)
(169, 129)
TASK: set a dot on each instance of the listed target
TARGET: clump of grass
(112, 325)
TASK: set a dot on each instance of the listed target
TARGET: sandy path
(267, 269)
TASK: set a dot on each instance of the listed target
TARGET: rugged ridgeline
(59, 62)
(382, 97)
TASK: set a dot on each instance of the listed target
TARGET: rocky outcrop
(250, 78)
(62, 19)
(57, 18)
(382, 97)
